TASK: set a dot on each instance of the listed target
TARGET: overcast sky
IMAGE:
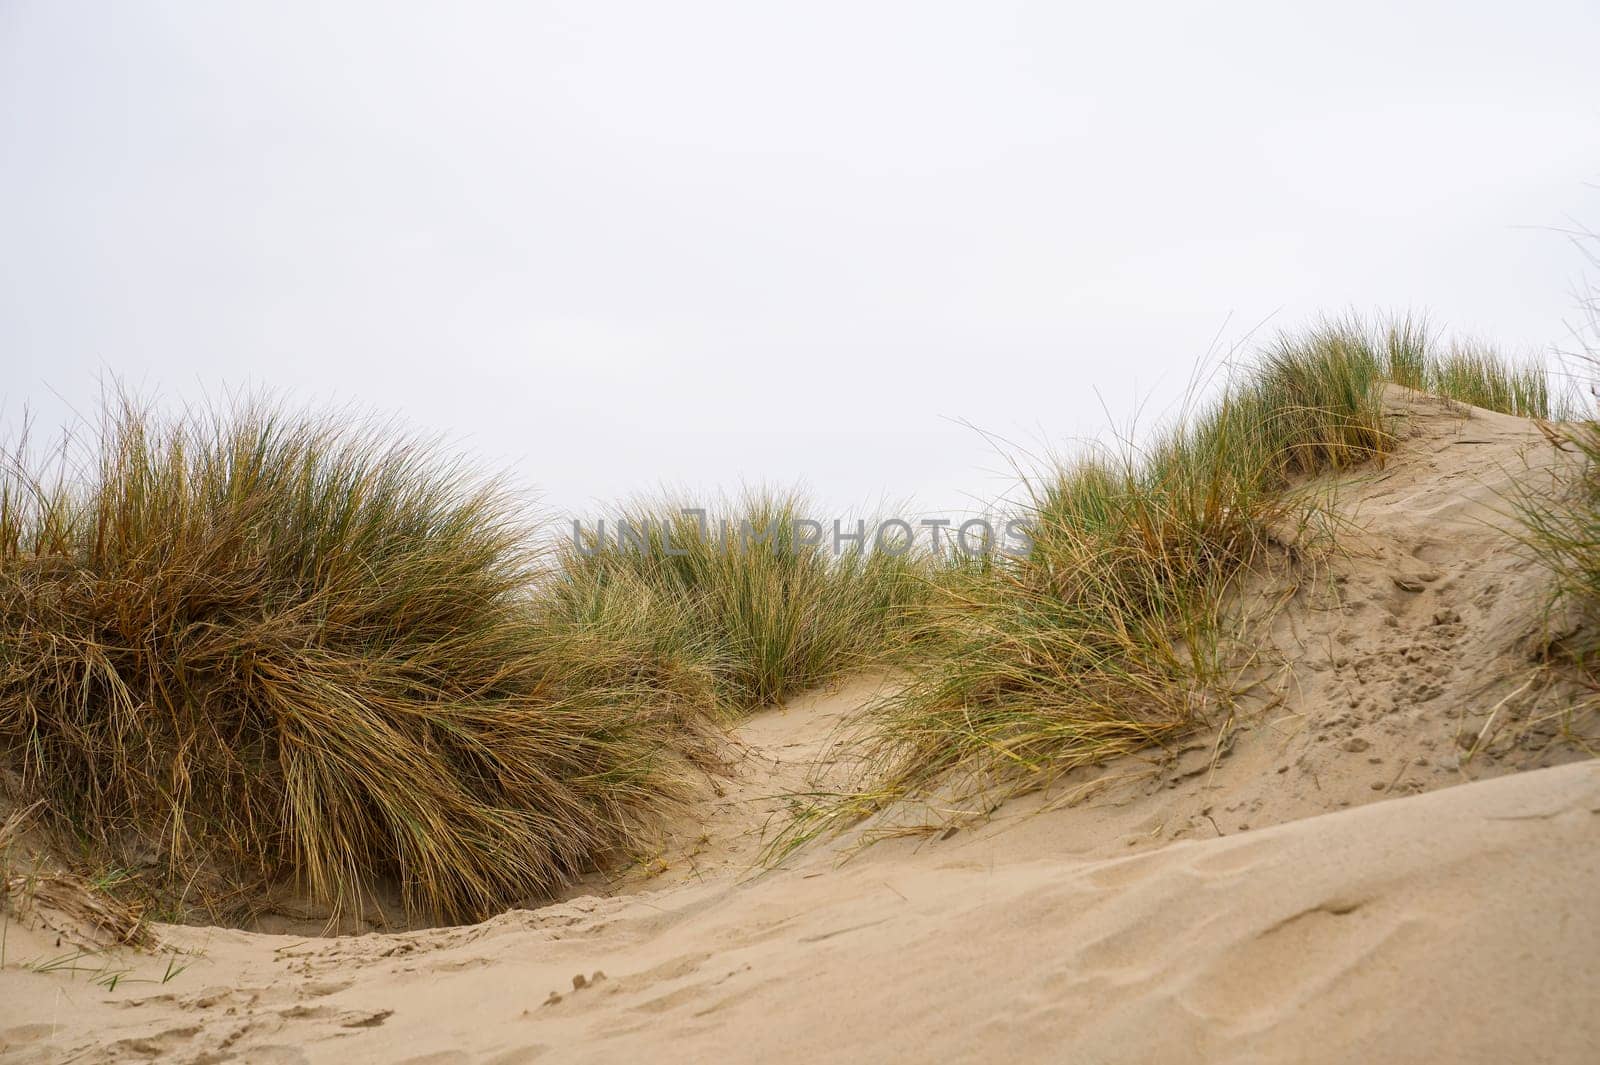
(611, 246)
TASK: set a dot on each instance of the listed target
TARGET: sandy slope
(1455, 926)
(1330, 876)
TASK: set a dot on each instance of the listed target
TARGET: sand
(1389, 854)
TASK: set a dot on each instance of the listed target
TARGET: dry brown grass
(284, 647)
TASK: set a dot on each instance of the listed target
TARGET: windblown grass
(765, 602)
(1561, 528)
(1115, 632)
(277, 646)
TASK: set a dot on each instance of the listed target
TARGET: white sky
(612, 246)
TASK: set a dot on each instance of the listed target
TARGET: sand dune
(1352, 869)
(1454, 926)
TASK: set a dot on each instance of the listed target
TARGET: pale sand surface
(1352, 869)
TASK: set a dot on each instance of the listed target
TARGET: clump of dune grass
(294, 647)
(763, 600)
(1560, 527)
(1474, 374)
(1119, 630)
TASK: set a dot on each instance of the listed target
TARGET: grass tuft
(752, 593)
(289, 647)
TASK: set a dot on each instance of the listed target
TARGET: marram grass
(772, 614)
(273, 647)
(1116, 633)
(1561, 529)
(265, 647)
